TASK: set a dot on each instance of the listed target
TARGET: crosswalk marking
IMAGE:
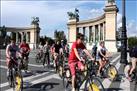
(124, 85)
(28, 64)
(24, 79)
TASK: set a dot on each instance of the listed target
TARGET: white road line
(24, 79)
(115, 59)
(125, 85)
(40, 80)
(106, 82)
(28, 64)
(4, 67)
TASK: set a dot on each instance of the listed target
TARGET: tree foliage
(132, 41)
(60, 35)
(43, 39)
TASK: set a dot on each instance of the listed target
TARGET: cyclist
(25, 50)
(46, 54)
(102, 54)
(40, 50)
(12, 51)
(75, 59)
(57, 48)
(133, 56)
(67, 50)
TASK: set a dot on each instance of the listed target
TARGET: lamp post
(123, 36)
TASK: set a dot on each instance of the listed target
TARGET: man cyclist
(75, 59)
(57, 48)
(12, 51)
(40, 50)
(46, 54)
(25, 50)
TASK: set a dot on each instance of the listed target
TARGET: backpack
(133, 52)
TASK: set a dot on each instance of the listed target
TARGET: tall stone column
(111, 26)
(94, 33)
(72, 29)
(99, 31)
(103, 31)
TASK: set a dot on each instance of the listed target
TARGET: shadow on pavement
(46, 86)
(114, 89)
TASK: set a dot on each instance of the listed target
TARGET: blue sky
(53, 14)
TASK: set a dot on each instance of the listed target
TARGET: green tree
(132, 41)
(59, 35)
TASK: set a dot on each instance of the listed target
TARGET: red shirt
(24, 47)
(72, 56)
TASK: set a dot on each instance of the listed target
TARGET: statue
(74, 15)
(111, 1)
(35, 20)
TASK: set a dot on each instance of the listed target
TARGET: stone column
(84, 31)
(86, 34)
(103, 30)
(99, 30)
(17, 37)
(72, 30)
(111, 27)
(93, 33)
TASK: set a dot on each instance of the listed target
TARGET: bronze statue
(111, 1)
(74, 15)
(35, 20)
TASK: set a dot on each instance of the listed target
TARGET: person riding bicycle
(102, 54)
(12, 50)
(133, 57)
(40, 50)
(75, 59)
(57, 48)
(46, 54)
(25, 49)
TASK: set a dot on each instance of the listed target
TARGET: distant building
(30, 34)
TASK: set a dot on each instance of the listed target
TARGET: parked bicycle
(15, 78)
(92, 83)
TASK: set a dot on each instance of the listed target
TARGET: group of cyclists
(14, 51)
(100, 52)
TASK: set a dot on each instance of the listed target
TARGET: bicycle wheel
(37, 59)
(60, 71)
(11, 78)
(94, 84)
(112, 72)
(18, 82)
(67, 80)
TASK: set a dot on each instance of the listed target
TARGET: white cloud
(96, 12)
(132, 28)
(131, 25)
(119, 20)
(52, 14)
